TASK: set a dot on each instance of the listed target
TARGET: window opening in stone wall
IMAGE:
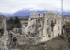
(55, 21)
(47, 22)
(38, 23)
(43, 14)
(49, 35)
(39, 14)
(31, 18)
(52, 25)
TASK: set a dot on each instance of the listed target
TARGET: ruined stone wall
(52, 20)
(47, 25)
(2, 21)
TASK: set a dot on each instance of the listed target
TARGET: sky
(11, 6)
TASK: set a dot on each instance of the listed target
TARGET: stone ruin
(4, 38)
(43, 27)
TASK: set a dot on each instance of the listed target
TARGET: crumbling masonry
(47, 25)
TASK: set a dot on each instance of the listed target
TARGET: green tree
(11, 21)
(17, 22)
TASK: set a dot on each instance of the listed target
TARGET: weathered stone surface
(15, 49)
(44, 25)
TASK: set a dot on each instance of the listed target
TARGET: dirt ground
(54, 44)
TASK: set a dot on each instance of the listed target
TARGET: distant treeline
(20, 17)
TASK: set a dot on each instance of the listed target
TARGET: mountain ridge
(26, 12)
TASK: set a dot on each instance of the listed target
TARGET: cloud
(11, 6)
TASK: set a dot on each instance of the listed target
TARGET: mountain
(1, 13)
(26, 12)
(8, 15)
(66, 13)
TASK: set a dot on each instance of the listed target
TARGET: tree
(11, 21)
(17, 22)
